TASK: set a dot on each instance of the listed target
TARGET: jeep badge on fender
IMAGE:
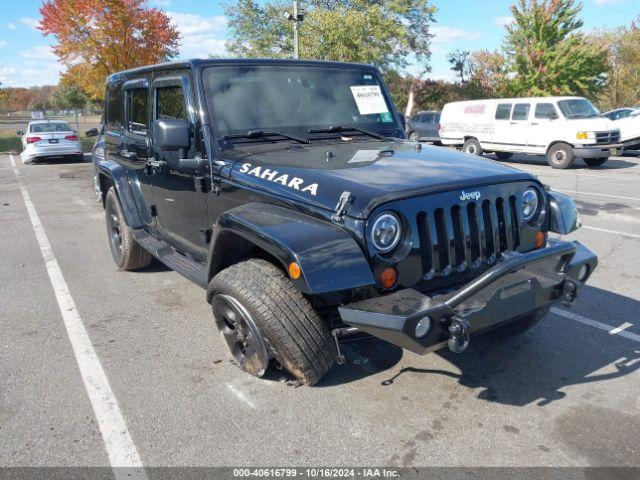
(285, 189)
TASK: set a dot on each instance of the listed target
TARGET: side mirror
(20, 133)
(171, 135)
(553, 116)
(92, 132)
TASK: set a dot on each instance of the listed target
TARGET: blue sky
(26, 59)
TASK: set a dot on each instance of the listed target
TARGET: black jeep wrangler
(286, 190)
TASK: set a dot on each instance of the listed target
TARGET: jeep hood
(373, 172)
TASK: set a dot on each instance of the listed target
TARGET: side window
(520, 111)
(436, 118)
(137, 110)
(623, 114)
(545, 110)
(428, 118)
(170, 103)
(503, 112)
(115, 107)
(418, 118)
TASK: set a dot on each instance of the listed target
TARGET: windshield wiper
(339, 129)
(266, 133)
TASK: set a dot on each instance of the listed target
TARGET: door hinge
(342, 208)
(153, 210)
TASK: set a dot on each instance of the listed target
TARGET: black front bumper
(516, 286)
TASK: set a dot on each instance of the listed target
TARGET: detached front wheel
(263, 317)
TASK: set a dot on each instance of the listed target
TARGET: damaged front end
(517, 285)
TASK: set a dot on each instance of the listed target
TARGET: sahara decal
(283, 179)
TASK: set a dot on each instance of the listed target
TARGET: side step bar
(184, 265)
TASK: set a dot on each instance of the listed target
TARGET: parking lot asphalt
(564, 394)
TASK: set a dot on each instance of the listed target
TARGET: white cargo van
(562, 128)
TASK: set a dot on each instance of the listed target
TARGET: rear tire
(285, 322)
(521, 325)
(560, 155)
(504, 155)
(595, 162)
(414, 137)
(472, 147)
(127, 254)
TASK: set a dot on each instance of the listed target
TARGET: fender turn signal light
(388, 277)
(541, 240)
(294, 270)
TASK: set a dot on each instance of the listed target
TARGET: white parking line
(594, 323)
(597, 194)
(622, 327)
(118, 443)
(240, 395)
(615, 232)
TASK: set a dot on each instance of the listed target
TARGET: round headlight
(530, 202)
(385, 233)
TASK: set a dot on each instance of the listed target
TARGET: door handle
(513, 123)
(534, 123)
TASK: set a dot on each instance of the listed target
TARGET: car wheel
(560, 155)
(414, 137)
(504, 155)
(595, 162)
(521, 325)
(127, 254)
(472, 147)
(263, 317)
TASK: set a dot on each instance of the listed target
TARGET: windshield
(578, 108)
(296, 99)
(50, 127)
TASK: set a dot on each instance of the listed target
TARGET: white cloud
(47, 73)
(444, 34)
(30, 22)
(201, 36)
(11, 26)
(503, 21)
(41, 52)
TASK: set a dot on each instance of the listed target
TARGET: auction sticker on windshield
(369, 99)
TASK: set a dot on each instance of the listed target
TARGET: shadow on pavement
(536, 366)
(612, 164)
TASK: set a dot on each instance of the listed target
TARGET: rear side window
(170, 103)
(503, 112)
(115, 107)
(428, 118)
(521, 111)
(545, 110)
(137, 110)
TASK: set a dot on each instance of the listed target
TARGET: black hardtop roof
(197, 63)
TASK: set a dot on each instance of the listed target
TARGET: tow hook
(458, 335)
(569, 292)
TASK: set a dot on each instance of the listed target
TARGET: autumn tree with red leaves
(98, 37)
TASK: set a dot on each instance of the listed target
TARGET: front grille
(605, 138)
(465, 236)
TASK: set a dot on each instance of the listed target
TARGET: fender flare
(118, 177)
(330, 259)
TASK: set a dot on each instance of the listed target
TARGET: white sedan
(49, 138)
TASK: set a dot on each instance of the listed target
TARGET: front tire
(127, 254)
(263, 316)
(472, 147)
(595, 162)
(560, 156)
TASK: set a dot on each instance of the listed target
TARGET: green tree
(460, 63)
(489, 75)
(548, 54)
(387, 33)
(69, 97)
(622, 45)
